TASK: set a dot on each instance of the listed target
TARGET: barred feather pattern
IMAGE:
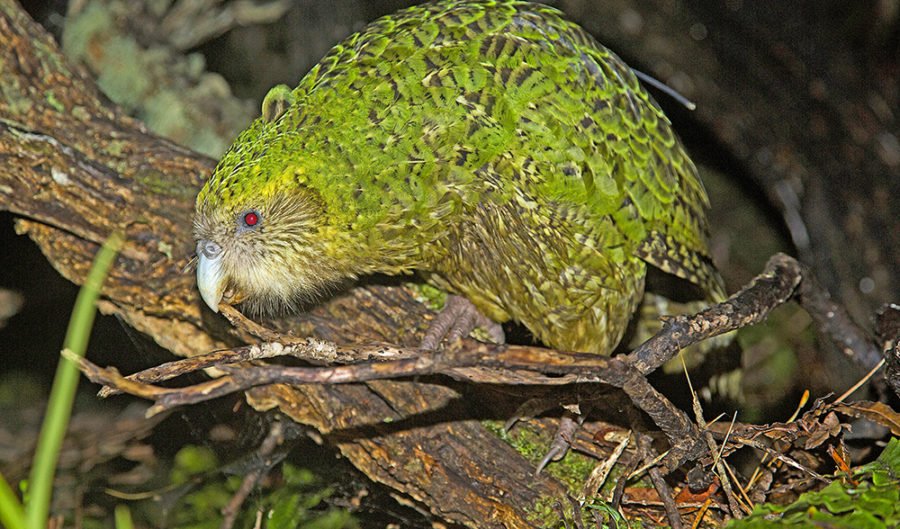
(492, 146)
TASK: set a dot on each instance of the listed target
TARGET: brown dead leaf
(686, 496)
(877, 412)
(823, 430)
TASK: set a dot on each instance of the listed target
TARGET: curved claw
(565, 434)
(457, 319)
(555, 453)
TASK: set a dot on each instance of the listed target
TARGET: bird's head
(259, 232)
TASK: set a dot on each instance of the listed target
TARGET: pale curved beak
(210, 279)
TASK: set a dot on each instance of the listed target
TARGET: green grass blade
(12, 515)
(40, 482)
(123, 517)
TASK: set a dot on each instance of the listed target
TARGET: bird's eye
(250, 219)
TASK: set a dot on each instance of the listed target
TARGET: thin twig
(748, 503)
(860, 382)
(308, 349)
(659, 483)
(249, 326)
(718, 462)
(598, 476)
(698, 519)
(274, 438)
(779, 456)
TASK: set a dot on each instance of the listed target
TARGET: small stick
(274, 438)
(860, 382)
(659, 483)
(750, 305)
(779, 456)
(718, 462)
(245, 324)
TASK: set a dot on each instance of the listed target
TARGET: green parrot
(492, 147)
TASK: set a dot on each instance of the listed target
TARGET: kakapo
(493, 147)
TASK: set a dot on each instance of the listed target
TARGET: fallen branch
(510, 365)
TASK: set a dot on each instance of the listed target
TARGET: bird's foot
(569, 424)
(458, 318)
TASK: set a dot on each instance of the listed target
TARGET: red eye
(251, 219)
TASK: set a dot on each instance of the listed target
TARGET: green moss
(124, 68)
(872, 503)
(124, 77)
(573, 470)
(299, 500)
(558, 514)
(161, 184)
(170, 92)
(165, 248)
(80, 113)
(545, 513)
(116, 147)
(428, 295)
(165, 113)
(54, 102)
(16, 101)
